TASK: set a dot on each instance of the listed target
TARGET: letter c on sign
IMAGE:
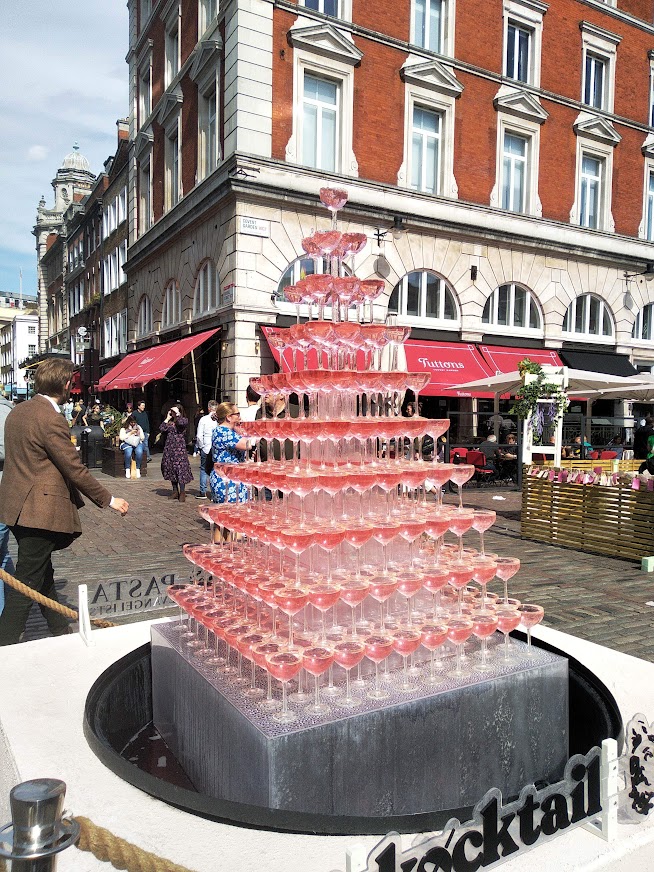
(459, 860)
(436, 860)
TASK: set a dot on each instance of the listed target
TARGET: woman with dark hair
(175, 465)
(131, 442)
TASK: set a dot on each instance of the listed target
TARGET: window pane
(309, 136)
(413, 294)
(435, 24)
(606, 322)
(519, 308)
(394, 300)
(534, 315)
(488, 308)
(510, 51)
(593, 323)
(419, 22)
(523, 55)
(416, 161)
(503, 305)
(331, 7)
(328, 141)
(646, 322)
(432, 291)
(449, 310)
(650, 208)
(580, 315)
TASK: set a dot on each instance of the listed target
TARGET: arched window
(514, 307)
(207, 289)
(588, 315)
(300, 269)
(144, 321)
(172, 306)
(644, 324)
(423, 294)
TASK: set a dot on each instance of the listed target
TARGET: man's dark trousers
(34, 568)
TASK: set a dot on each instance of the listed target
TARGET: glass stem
(284, 700)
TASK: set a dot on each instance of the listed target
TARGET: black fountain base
(120, 707)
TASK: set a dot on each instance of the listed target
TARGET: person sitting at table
(616, 445)
(490, 451)
(577, 444)
(509, 458)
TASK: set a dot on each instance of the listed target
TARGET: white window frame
(527, 15)
(342, 73)
(426, 138)
(343, 9)
(646, 228)
(323, 108)
(603, 45)
(145, 202)
(516, 161)
(206, 296)
(171, 310)
(604, 152)
(207, 14)
(448, 29)
(172, 19)
(589, 337)
(445, 106)
(144, 316)
(208, 157)
(145, 91)
(636, 333)
(510, 329)
(173, 162)
(529, 130)
(422, 318)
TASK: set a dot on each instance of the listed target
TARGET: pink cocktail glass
(483, 520)
(484, 624)
(460, 474)
(530, 615)
(406, 641)
(316, 660)
(508, 619)
(506, 569)
(378, 646)
(433, 635)
(459, 631)
(348, 654)
(284, 665)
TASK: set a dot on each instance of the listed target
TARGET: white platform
(43, 688)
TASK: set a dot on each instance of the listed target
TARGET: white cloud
(64, 80)
(37, 152)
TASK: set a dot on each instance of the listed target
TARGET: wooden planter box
(113, 462)
(617, 521)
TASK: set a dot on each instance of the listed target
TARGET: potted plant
(528, 404)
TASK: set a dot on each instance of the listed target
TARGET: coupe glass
(459, 631)
(530, 615)
(283, 666)
(406, 640)
(484, 624)
(508, 619)
(506, 569)
(316, 660)
(483, 519)
(378, 646)
(460, 474)
(348, 654)
(433, 635)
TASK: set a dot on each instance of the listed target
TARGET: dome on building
(76, 161)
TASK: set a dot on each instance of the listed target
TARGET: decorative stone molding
(432, 75)
(513, 101)
(596, 127)
(169, 105)
(325, 40)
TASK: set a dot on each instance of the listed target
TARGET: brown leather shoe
(182, 497)
(173, 496)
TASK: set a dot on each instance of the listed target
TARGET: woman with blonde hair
(227, 447)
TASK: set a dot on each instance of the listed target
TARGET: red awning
(502, 359)
(449, 363)
(142, 367)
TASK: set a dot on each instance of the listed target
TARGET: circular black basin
(119, 707)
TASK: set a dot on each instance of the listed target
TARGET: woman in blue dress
(227, 447)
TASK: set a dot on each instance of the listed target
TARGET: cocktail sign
(498, 832)
(637, 765)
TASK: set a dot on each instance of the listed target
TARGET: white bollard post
(84, 616)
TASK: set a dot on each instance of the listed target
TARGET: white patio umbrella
(640, 389)
(580, 381)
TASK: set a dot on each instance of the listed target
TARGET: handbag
(208, 463)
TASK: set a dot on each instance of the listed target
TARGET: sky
(65, 80)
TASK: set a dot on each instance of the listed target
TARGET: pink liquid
(433, 635)
(354, 593)
(459, 630)
(349, 654)
(385, 533)
(484, 626)
(437, 527)
(378, 647)
(381, 588)
(459, 576)
(358, 536)
(483, 572)
(260, 652)
(246, 643)
(317, 660)
(406, 642)
(531, 615)
(331, 538)
(284, 665)
(435, 579)
(507, 620)
(460, 523)
(324, 596)
(482, 521)
(507, 568)
(409, 583)
(411, 530)
(291, 600)
(461, 473)
(297, 540)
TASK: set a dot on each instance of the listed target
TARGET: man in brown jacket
(40, 494)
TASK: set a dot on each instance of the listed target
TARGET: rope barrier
(48, 603)
(120, 853)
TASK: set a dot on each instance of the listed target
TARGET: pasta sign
(499, 832)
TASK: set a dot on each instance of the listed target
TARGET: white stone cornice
(599, 33)
(647, 147)
(206, 53)
(143, 141)
(596, 127)
(431, 74)
(170, 104)
(513, 101)
(325, 40)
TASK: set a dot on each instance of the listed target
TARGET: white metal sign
(255, 226)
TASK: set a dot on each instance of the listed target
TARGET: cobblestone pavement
(594, 597)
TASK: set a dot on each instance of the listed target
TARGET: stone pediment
(647, 147)
(326, 40)
(143, 141)
(206, 55)
(596, 127)
(169, 105)
(521, 103)
(432, 75)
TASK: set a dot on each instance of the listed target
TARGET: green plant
(112, 420)
(528, 403)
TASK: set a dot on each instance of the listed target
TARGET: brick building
(504, 176)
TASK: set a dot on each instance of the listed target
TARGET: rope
(48, 603)
(120, 853)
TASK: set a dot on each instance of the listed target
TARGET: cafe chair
(483, 474)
